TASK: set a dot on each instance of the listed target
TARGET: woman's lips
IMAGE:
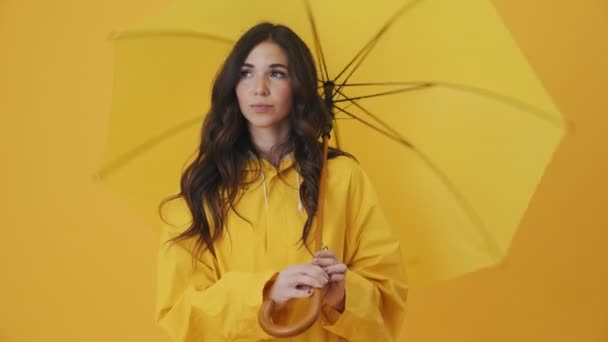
(261, 108)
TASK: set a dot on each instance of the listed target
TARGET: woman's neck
(264, 139)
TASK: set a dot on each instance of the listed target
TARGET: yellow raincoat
(220, 298)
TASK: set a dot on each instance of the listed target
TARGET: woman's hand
(297, 282)
(336, 271)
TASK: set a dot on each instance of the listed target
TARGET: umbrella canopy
(433, 97)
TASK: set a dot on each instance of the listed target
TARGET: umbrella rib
(319, 48)
(123, 159)
(375, 117)
(391, 135)
(465, 205)
(411, 87)
(523, 106)
(367, 48)
(184, 33)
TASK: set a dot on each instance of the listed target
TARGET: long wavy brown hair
(215, 178)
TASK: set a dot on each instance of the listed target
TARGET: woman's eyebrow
(274, 65)
(279, 65)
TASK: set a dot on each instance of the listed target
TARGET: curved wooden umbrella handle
(276, 330)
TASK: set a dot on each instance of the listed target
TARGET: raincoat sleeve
(195, 304)
(376, 283)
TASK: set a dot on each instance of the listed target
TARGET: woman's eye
(277, 74)
(245, 74)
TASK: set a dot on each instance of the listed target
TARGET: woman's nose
(260, 87)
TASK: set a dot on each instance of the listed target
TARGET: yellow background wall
(76, 264)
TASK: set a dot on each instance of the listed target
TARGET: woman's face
(264, 90)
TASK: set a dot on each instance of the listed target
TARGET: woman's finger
(304, 287)
(301, 268)
(325, 254)
(337, 277)
(305, 279)
(314, 271)
(324, 262)
(337, 268)
(295, 293)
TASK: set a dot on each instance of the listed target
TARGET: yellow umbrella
(432, 96)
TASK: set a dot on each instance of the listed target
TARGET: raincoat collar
(267, 171)
(255, 162)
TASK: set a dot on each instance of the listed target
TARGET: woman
(239, 230)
